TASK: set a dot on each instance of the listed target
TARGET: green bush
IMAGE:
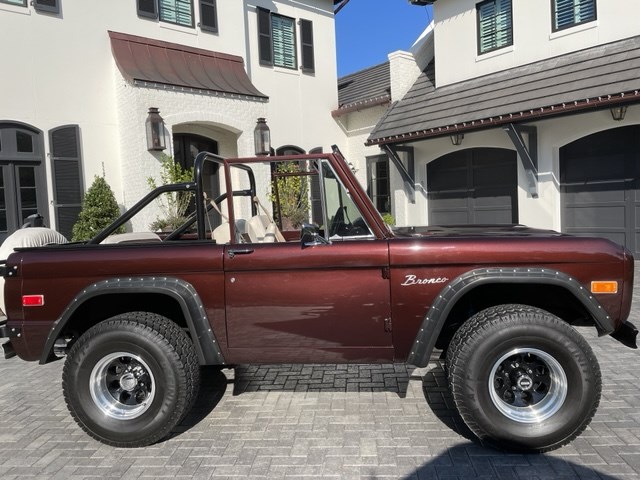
(173, 205)
(389, 219)
(99, 210)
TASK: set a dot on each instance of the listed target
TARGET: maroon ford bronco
(136, 314)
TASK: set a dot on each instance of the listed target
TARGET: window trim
(479, 38)
(555, 28)
(371, 161)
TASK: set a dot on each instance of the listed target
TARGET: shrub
(173, 205)
(99, 210)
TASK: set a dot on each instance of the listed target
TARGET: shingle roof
(591, 78)
(365, 86)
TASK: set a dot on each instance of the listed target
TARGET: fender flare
(436, 316)
(205, 342)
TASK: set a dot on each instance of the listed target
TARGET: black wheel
(130, 379)
(522, 379)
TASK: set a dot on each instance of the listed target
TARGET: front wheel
(523, 379)
(130, 379)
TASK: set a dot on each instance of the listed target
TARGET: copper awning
(148, 62)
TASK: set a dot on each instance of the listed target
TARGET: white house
(522, 112)
(80, 78)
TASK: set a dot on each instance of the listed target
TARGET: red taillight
(32, 300)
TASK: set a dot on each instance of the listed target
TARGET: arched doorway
(473, 186)
(600, 186)
(23, 190)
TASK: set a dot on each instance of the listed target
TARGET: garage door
(475, 186)
(600, 187)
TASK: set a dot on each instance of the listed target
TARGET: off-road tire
(495, 349)
(130, 379)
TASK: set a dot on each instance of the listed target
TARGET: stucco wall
(533, 39)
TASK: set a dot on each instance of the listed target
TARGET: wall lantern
(619, 112)
(262, 137)
(155, 130)
(457, 139)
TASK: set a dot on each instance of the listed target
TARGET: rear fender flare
(182, 292)
(436, 316)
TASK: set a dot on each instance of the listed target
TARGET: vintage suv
(137, 314)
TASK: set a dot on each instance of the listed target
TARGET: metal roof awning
(590, 79)
(154, 63)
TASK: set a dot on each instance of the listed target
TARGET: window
(283, 31)
(495, 26)
(378, 184)
(21, 3)
(179, 12)
(567, 13)
(277, 42)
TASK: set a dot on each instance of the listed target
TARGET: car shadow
(322, 378)
(436, 391)
(472, 461)
(213, 385)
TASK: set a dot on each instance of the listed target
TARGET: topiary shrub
(99, 210)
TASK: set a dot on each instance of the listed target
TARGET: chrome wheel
(527, 385)
(122, 385)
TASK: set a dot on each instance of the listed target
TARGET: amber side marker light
(32, 300)
(604, 287)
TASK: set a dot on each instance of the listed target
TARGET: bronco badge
(413, 280)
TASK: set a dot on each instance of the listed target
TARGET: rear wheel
(130, 379)
(522, 378)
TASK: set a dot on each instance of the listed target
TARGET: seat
(132, 237)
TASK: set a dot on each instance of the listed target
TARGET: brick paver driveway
(316, 421)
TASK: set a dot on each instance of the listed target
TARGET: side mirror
(310, 236)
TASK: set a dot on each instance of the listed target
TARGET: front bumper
(627, 334)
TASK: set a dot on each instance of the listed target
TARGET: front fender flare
(436, 316)
(204, 339)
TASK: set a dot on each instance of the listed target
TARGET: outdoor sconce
(155, 130)
(262, 137)
(619, 112)
(457, 139)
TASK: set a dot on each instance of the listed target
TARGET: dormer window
(495, 25)
(568, 13)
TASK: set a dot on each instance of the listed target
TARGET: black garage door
(599, 176)
(475, 186)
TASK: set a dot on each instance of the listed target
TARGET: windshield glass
(342, 215)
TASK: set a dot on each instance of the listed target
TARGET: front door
(322, 304)
(325, 302)
(22, 190)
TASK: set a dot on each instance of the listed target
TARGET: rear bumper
(6, 332)
(627, 334)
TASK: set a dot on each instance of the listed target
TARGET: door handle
(239, 251)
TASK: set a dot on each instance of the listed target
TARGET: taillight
(32, 300)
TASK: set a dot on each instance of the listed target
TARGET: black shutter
(52, 6)
(306, 36)
(264, 37)
(148, 8)
(208, 16)
(66, 163)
